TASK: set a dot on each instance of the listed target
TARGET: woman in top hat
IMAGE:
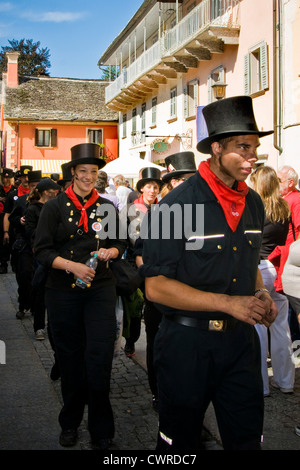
(82, 321)
(208, 286)
(149, 187)
(5, 189)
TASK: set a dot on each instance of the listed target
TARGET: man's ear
(216, 148)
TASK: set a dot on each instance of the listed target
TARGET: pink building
(43, 117)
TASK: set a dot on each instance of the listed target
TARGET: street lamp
(219, 90)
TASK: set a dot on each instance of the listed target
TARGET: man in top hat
(207, 284)
(6, 187)
(180, 166)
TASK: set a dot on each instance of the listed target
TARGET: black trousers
(196, 367)
(24, 273)
(152, 318)
(83, 327)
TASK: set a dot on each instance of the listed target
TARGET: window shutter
(185, 103)
(36, 137)
(247, 74)
(264, 66)
(196, 100)
(53, 137)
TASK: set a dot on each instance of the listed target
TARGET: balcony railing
(220, 13)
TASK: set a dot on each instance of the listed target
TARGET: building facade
(175, 57)
(43, 117)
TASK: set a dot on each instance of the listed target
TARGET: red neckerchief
(232, 201)
(7, 188)
(83, 219)
(140, 204)
(22, 190)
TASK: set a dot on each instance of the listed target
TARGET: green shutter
(247, 74)
(264, 79)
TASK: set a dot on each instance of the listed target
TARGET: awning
(46, 166)
(129, 167)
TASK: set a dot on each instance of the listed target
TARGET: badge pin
(96, 226)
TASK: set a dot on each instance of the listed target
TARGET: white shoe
(40, 334)
(297, 430)
(282, 389)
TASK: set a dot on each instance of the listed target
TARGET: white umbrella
(128, 166)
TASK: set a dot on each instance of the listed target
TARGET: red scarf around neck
(84, 218)
(140, 203)
(7, 188)
(232, 201)
(22, 190)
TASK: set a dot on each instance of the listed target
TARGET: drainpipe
(277, 104)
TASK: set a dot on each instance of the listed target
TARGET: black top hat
(34, 176)
(149, 174)
(24, 170)
(229, 117)
(178, 164)
(54, 176)
(7, 172)
(46, 184)
(66, 174)
(86, 154)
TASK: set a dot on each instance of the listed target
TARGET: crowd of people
(211, 326)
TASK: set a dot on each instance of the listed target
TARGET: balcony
(201, 33)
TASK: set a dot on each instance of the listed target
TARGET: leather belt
(209, 325)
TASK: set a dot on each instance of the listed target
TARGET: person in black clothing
(21, 188)
(5, 189)
(204, 278)
(82, 321)
(148, 187)
(22, 249)
(45, 190)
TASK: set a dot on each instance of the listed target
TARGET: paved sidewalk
(30, 401)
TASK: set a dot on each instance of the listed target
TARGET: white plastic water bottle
(91, 263)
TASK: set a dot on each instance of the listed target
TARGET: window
(217, 75)
(124, 125)
(173, 110)
(256, 69)
(134, 121)
(95, 136)
(154, 104)
(45, 137)
(191, 98)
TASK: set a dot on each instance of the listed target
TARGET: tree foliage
(33, 60)
(109, 72)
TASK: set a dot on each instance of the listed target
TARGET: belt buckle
(216, 325)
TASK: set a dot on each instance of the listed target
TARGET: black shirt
(207, 255)
(58, 234)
